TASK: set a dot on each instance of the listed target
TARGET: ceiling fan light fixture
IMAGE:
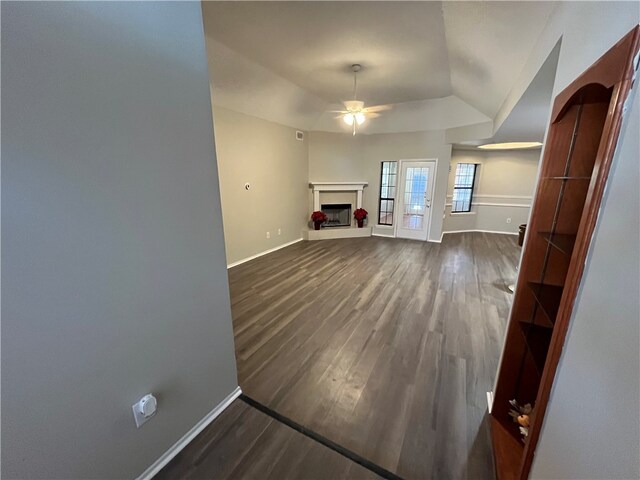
(355, 113)
(354, 105)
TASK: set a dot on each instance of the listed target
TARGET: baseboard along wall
(244, 260)
(381, 235)
(177, 447)
(482, 231)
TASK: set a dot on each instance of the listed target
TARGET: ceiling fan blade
(378, 108)
(372, 114)
(337, 111)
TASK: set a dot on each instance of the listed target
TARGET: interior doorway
(413, 215)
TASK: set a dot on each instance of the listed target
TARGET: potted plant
(318, 218)
(360, 214)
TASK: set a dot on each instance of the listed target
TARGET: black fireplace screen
(338, 214)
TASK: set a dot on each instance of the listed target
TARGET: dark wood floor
(244, 443)
(385, 346)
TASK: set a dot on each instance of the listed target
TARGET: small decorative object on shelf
(318, 218)
(521, 415)
(360, 214)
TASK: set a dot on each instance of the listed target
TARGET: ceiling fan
(355, 112)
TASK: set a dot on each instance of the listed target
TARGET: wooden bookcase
(585, 124)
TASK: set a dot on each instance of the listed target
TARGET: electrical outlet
(144, 409)
(508, 219)
(268, 234)
(279, 231)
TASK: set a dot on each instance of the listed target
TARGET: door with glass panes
(413, 212)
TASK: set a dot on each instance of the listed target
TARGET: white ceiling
(295, 57)
(401, 45)
(488, 45)
(528, 119)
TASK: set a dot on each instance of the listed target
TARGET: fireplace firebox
(338, 214)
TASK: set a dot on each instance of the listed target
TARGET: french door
(413, 215)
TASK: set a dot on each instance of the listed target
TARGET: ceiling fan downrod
(356, 67)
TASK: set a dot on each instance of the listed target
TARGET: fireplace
(338, 214)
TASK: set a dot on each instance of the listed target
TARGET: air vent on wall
(299, 135)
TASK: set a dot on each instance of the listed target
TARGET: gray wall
(407, 146)
(343, 157)
(268, 157)
(113, 263)
(504, 188)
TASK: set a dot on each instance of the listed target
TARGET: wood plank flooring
(244, 443)
(384, 346)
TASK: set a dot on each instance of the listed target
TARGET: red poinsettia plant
(360, 213)
(318, 217)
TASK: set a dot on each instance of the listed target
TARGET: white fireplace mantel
(318, 187)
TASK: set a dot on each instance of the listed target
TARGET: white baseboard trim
(437, 241)
(239, 262)
(393, 236)
(482, 231)
(190, 435)
(381, 235)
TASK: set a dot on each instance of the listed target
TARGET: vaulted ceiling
(429, 57)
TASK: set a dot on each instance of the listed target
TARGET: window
(463, 187)
(388, 176)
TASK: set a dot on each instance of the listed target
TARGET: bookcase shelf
(579, 149)
(548, 298)
(537, 340)
(561, 241)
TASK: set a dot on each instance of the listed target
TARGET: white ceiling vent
(299, 135)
